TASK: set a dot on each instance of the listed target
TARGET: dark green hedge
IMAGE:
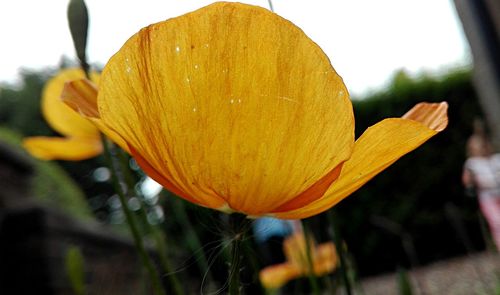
(411, 196)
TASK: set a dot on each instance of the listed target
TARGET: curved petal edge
(378, 147)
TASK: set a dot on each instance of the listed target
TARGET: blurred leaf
(75, 269)
(60, 183)
(50, 183)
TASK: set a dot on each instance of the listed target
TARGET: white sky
(366, 40)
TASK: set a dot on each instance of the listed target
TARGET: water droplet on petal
(127, 66)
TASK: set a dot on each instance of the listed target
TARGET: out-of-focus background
(391, 54)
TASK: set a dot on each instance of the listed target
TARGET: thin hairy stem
(159, 237)
(139, 244)
(237, 228)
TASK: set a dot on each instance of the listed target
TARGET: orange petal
(59, 148)
(233, 102)
(432, 115)
(216, 203)
(81, 96)
(276, 276)
(295, 250)
(378, 147)
(58, 115)
(313, 193)
(325, 259)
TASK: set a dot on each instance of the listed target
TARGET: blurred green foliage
(20, 104)
(20, 112)
(75, 270)
(50, 183)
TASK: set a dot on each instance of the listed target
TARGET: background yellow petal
(378, 147)
(325, 259)
(58, 115)
(230, 101)
(295, 250)
(59, 148)
(276, 276)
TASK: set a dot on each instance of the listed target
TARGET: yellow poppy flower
(81, 138)
(323, 260)
(234, 108)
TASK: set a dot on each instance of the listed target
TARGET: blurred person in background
(481, 177)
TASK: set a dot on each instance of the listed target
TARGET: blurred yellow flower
(234, 108)
(323, 261)
(81, 138)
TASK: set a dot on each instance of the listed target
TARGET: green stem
(159, 238)
(237, 230)
(313, 280)
(340, 251)
(192, 239)
(146, 260)
(249, 254)
(161, 245)
(271, 5)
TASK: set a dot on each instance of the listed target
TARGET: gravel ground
(476, 274)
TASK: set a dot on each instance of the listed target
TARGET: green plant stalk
(313, 280)
(139, 244)
(340, 252)
(270, 5)
(327, 281)
(160, 239)
(403, 282)
(192, 238)
(236, 228)
(161, 245)
(249, 254)
(234, 270)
